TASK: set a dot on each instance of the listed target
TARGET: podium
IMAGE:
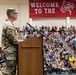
(30, 57)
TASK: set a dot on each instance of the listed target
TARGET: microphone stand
(42, 34)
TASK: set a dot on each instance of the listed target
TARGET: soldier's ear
(11, 14)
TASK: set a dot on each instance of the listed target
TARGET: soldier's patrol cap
(9, 10)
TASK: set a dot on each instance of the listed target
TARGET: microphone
(42, 34)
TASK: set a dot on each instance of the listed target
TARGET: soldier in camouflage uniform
(10, 42)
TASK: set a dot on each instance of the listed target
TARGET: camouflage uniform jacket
(9, 41)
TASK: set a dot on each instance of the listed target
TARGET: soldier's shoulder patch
(10, 27)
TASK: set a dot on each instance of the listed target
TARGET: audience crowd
(69, 35)
(57, 58)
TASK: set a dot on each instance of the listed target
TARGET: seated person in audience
(71, 58)
(74, 48)
(49, 66)
(45, 67)
(54, 67)
(73, 66)
(53, 59)
(59, 67)
(67, 67)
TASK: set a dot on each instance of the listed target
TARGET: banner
(52, 8)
